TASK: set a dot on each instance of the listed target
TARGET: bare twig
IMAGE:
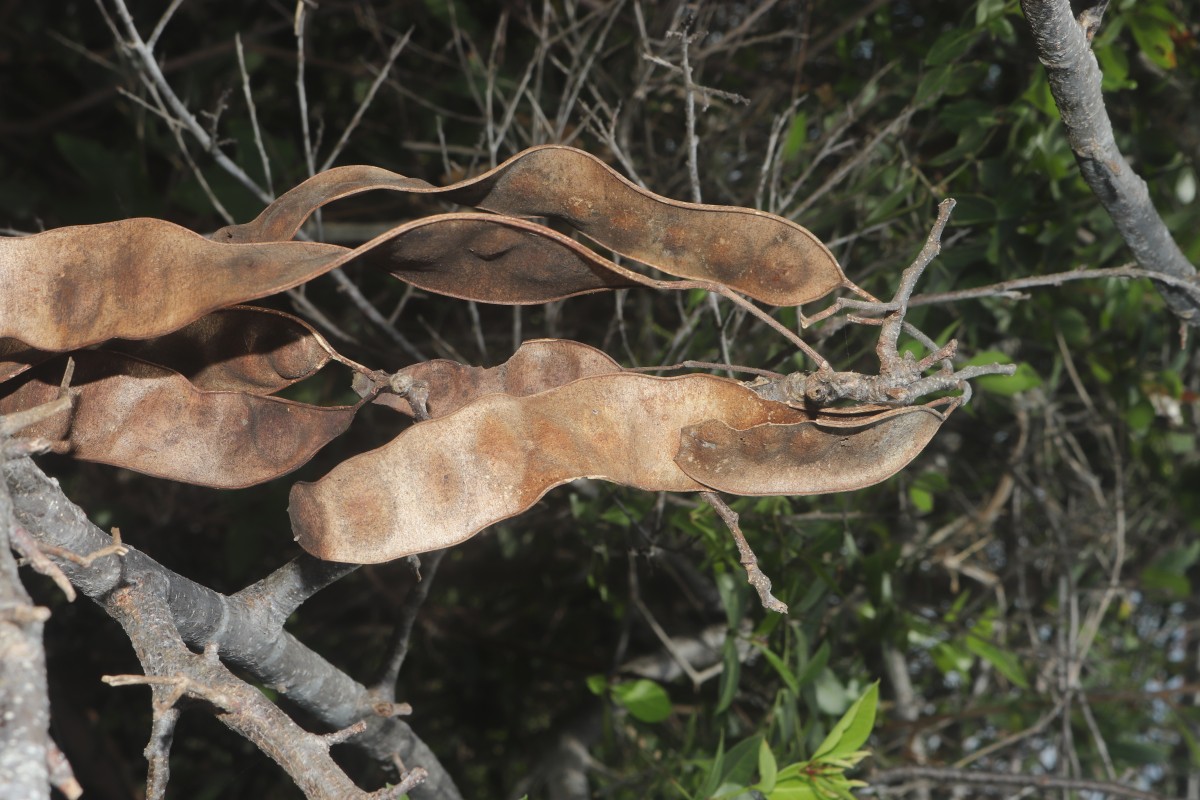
(258, 139)
(174, 672)
(287, 588)
(368, 98)
(760, 582)
(25, 746)
(1011, 289)
(62, 777)
(27, 546)
(299, 24)
(1043, 782)
(152, 75)
(14, 422)
(386, 687)
(164, 717)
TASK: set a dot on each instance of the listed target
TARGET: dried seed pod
(442, 481)
(137, 415)
(237, 349)
(136, 278)
(538, 365)
(764, 256)
(835, 453)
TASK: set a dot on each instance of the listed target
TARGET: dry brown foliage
(178, 380)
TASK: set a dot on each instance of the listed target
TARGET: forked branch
(901, 379)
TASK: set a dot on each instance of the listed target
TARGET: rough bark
(1064, 49)
(24, 704)
(246, 630)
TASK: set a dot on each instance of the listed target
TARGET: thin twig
(20, 540)
(162, 23)
(15, 421)
(1010, 289)
(755, 576)
(393, 54)
(151, 74)
(386, 686)
(973, 778)
(258, 139)
(287, 588)
(158, 750)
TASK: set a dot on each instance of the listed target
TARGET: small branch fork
(901, 379)
(164, 614)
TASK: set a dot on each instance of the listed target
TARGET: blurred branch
(1000, 779)
(1011, 289)
(1063, 46)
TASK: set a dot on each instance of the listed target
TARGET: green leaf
(1153, 37)
(951, 46)
(644, 699)
(617, 516)
(1184, 730)
(730, 675)
(797, 135)
(1139, 751)
(597, 684)
(852, 730)
(815, 666)
(832, 697)
(1005, 662)
(781, 667)
(793, 790)
(733, 597)
(922, 500)
(741, 761)
(767, 768)
(1165, 582)
(713, 779)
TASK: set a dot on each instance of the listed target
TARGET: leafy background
(1023, 591)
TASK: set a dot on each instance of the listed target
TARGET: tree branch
(30, 762)
(24, 703)
(173, 672)
(1000, 779)
(1063, 48)
(246, 636)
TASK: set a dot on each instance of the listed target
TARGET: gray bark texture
(24, 704)
(246, 629)
(1074, 74)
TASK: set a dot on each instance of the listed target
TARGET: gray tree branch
(30, 762)
(1064, 48)
(24, 705)
(246, 635)
(1046, 783)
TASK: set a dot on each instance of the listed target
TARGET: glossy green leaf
(853, 729)
(644, 699)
